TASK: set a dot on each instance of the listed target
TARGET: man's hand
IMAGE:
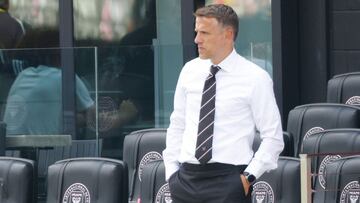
(128, 109)
(245, 183)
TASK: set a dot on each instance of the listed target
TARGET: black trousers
(209, 183)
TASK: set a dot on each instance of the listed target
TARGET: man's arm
(175, 131)
(268, 122)
(126, 112)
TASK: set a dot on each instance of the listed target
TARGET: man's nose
(197, 39)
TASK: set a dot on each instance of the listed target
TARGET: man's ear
(229, 33)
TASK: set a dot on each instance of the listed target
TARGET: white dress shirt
(244, 102)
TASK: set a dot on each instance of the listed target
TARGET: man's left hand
(245, 183)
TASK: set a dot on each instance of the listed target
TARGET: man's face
(209, 38)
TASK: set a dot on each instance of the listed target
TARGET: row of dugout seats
(100, 180)
(90, 180)
(329, 129)
(147, 174)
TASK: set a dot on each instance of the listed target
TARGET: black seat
(95, 180)
(153, 187)
(78, 148)
(288, 144)
(281, 185)
(332, 145)
(17, 180)
(344, 88)
(140, 148)
(342, 180)
(306, 120)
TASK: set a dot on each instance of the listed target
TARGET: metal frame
(66, 30)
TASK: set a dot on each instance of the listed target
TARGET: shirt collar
(228, 63)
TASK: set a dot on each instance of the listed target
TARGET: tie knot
(214, 69)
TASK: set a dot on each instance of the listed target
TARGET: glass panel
(254, 40)
(125, 86)
(31, 90)
(32, 98)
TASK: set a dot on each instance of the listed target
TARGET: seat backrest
(46, 157)
(305, 120)
(332, 145)
(95, 180)
(153, 187)
(140, 148)
(344, 88)
(78, 148)
(16, 180)
(288, 144)
(281, 185)
(342, 180)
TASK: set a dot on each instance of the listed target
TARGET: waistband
(212, 166)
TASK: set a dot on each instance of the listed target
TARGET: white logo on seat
(309, 133)
(328, 159)
(147, 158)
(163, 195)
(76, 193)
(350, 193)
(355, 100)
(312, 131)
(262, 193)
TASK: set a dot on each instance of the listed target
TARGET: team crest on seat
(147, 158)
(355, 100)
(76, 193)
(350, 193)
(328, 159)
(262, 193)
(163, 195)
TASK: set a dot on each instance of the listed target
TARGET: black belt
(211, 166)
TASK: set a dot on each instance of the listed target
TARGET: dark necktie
(206, 119)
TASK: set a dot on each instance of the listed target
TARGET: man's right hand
(128, 110)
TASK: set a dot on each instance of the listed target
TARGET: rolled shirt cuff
(170, 169)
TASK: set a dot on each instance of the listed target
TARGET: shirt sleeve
(83, 99)
(175, 131)
(268, 122)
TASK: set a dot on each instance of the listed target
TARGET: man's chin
(202, 56)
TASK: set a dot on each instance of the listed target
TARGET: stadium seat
(344, 88)
(281, 185)
(305, 120)
(288, 144)
(342, 180)
(95, 180)
(17, 180)
(78, 148)
(330, 145)
(140, 148)
(153, 187)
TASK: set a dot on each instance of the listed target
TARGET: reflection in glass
(119, 85)
(123, 32)
(108, 21)
(36, 13)
(34, 102)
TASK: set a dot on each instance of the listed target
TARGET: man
(11, 29)
(208, 155)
